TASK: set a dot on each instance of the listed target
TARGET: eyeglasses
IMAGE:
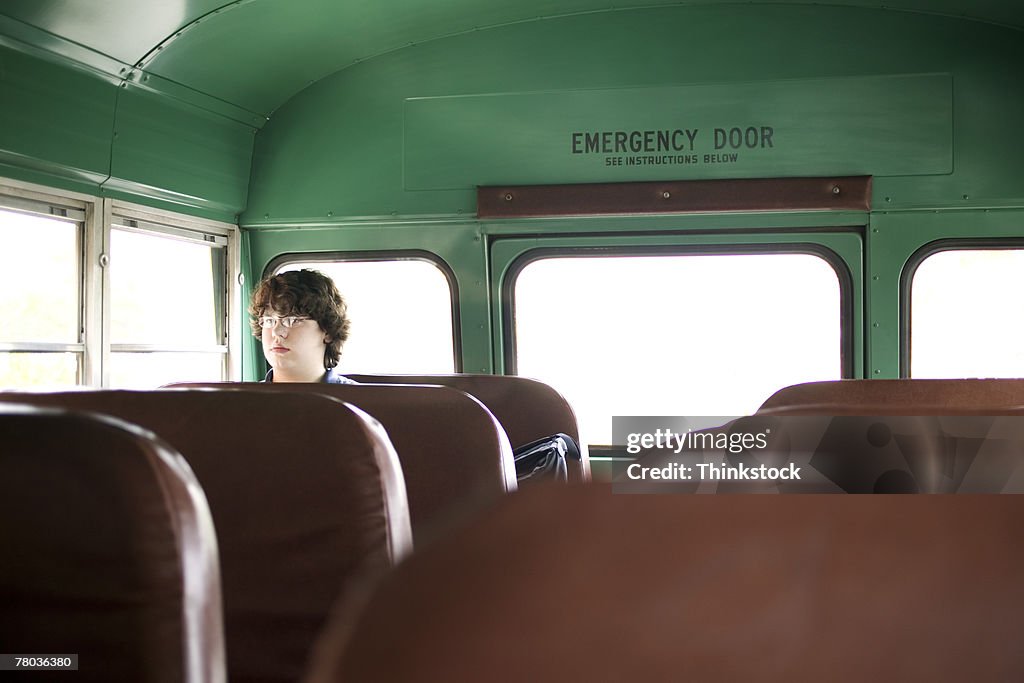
(268, 322)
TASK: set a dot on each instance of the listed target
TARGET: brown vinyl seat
(109, 551)
(896, 397)
(306, 494)
(527, 409)
(455, 456)
(701, 588)
(939, 431)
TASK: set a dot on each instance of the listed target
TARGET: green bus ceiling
(257, 54)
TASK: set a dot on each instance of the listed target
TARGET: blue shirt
(332, 376)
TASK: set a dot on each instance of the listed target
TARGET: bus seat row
(947, 435)
(109, 551)
(307, 494)
(703, 588)
(304, 491)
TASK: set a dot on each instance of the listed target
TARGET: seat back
(455, 456)
(109, 551)
(527, 409)
(896, 397)
(305, 492)
(705, 588)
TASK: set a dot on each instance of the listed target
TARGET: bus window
(167, 294)
(41, 298)
(965, 318)
(138, 370)
(710, 334)
(401, 313)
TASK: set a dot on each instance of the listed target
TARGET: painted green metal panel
(343, 135)
(161, 87)
(73, 128)
(122, 29)
(54, 121)
(51, 47)
(879, 126)
(178, 153)
(256, 54)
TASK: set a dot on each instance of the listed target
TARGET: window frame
(97, 217)
(831, 257)
(132, 218)
(840, 239)
(27, 199)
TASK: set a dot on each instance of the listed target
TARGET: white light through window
(401, 315)
(967, 319)
(676, 335)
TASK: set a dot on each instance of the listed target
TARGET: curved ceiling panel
(123, 29)
(322, 38)
(257, 54)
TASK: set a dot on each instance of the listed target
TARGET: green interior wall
(332, 159)
(336, 149)
(328, 171)
(72, 127)
(55, 122)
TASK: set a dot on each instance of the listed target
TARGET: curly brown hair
(309, 293)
